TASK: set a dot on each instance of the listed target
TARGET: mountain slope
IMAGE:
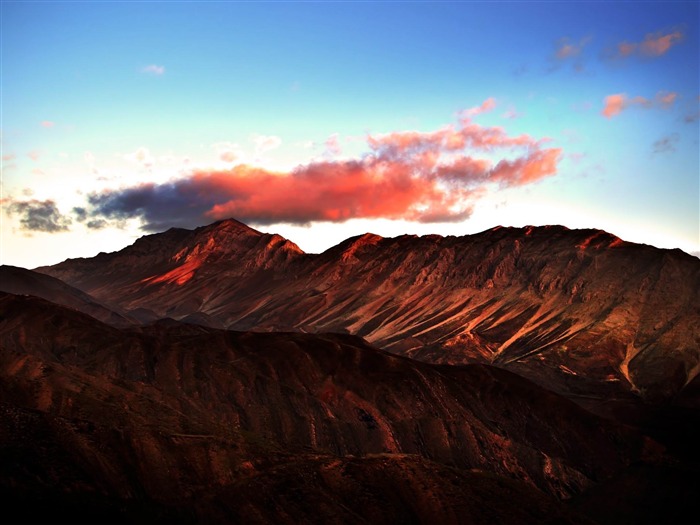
(178, 420)
(20, 281)
(580, 311)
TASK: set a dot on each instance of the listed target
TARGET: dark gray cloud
(38, 216)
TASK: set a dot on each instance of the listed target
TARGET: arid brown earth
(175, 422)
(578, 311)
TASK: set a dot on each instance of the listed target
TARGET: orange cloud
(615, 104)
(419, 176)
(653, 45)
(666, 99)
(658, 44)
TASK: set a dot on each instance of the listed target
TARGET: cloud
(141, 156)
(691, 118)
(227, 151)
(9, 156)
(666, 99)
(153, 69)
(333, 148)
(411, 175)
(486, 106)
(567, 50)
(615, 104)
(511, 114)
(34, 155)
(47, 124)
(38, 216)
(666, 144)
(265, 143)
(653, 45)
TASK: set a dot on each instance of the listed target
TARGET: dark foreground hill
(181, 423)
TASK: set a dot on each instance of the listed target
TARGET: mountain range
(519, 375)
(579, 311)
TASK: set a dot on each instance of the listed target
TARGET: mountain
(175, 422)
(579, 311)
(20, 281)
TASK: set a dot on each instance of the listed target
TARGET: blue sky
(322, 120)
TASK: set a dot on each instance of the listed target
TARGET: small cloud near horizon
(37, 216)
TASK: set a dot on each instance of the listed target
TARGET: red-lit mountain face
(577, 310)
(175, 422)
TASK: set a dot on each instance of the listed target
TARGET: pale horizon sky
(321, 120)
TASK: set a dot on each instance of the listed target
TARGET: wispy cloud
(141, 156)
(653, 45)
(666, 144)
(421, 176)
(614, 104)
(265, 143)
(569, 51)
(37, 216)
(227, 151)
(34, 155)
(153, 69)
(47, 124)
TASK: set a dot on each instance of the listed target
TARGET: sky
(323, 120)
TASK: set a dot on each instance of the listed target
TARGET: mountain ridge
(579, 311)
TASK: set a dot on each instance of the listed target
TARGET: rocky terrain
(519, 375)
(578, 311)
(174, 422)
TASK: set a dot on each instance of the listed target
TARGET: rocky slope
(175, 423)
(20, 281)
(579, 311)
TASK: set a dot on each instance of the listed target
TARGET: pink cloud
(659, 44)
(332, 146)
(568, 49)
(419, 176)
(615, 104)
(486, 106)
(626, 49)
(265, 143)
(666, 99)
(47, 124)
(9, 156)
(228, 156)
(653, 45)
(34, 155)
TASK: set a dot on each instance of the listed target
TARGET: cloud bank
(435, 176)
(418, 176)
